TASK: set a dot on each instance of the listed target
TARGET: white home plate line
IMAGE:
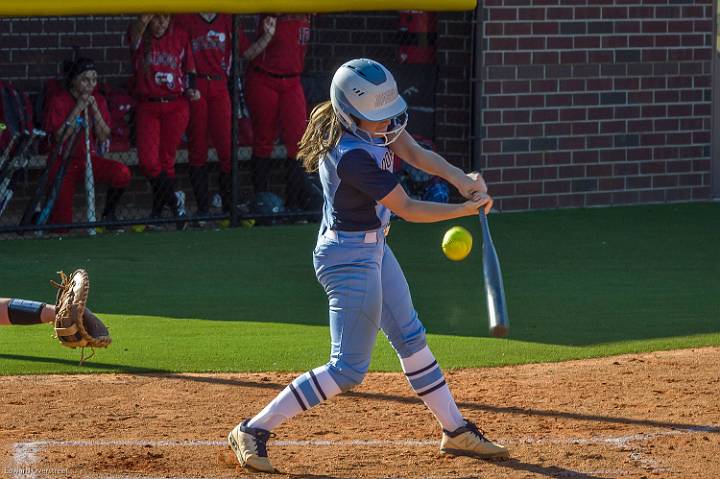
(26, 454)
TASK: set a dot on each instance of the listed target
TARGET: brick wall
(33, 50)
(596, 102)
(584, 102)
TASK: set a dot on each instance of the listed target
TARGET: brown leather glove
(75, 325)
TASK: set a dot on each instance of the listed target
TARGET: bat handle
(484, 223)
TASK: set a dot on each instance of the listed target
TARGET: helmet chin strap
(392, 135)
(388, 136)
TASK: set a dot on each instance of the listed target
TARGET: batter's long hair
(321, 135)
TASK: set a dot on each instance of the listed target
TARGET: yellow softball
(457, 243)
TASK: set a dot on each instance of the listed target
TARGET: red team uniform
(113, 173)
(210, 116)
(275, 97)
(160, 66)
(273, 81)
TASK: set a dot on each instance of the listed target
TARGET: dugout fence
(429, 53)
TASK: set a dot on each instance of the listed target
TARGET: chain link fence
(141, 182)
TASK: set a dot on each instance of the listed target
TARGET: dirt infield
(635, 416)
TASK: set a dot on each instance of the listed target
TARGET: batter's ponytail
(321, 135)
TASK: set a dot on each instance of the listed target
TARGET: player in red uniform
(65, 106)
(276, 101)
(164, 80)
(210, 117)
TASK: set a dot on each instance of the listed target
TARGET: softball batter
(352, 140)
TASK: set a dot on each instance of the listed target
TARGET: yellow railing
(79, 7)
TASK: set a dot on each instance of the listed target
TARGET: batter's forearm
(426, 160)
(436, 165)
(416, 211)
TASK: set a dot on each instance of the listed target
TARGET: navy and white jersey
(355, 175)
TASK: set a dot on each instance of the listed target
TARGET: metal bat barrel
(494, 290)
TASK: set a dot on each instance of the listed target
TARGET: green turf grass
(579, 283)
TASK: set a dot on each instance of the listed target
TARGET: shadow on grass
(572, 277)
(89, 367)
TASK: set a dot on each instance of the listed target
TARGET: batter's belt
(370, 236)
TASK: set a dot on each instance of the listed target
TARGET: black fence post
(234, 74)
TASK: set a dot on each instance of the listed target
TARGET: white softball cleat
(471, 441)
(250, 447)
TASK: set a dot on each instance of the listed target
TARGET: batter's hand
(193, 94)
(269, 25)
(472, 185)
(480, 200)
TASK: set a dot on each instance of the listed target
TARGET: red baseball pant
(105, 171)
(210, 120)
(159, 127)
(275, 104)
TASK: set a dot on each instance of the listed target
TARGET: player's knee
(346, 383)
(346, 377)
(410, 344)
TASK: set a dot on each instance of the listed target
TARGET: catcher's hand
(75, 325)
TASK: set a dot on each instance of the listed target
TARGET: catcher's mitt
(75, 325)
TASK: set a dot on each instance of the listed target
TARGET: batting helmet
(364, 89)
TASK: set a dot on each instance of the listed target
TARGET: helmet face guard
(381, 138)
(395, 128)
(364, 89)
